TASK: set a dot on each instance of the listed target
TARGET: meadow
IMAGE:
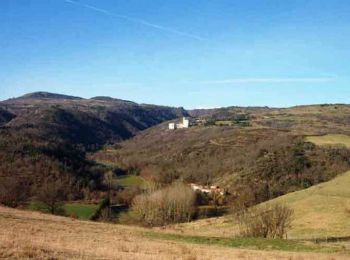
(330, 139)
(80, 210)
(26, 234)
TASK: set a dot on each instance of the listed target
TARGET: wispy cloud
(137, 20)
(266, 80)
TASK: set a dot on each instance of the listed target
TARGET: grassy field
(331, 139)
(81, 211)
(129, 180)
(25, 234)
(254, 243)
(322, 211)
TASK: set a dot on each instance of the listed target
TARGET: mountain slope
(103, 119)
(46, 135)
(322, 210)
(262, 162)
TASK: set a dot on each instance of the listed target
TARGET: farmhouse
(207, 189)
(184, 124)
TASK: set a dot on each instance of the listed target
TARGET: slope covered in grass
(331, 139)
(25, 234)
(322, 210)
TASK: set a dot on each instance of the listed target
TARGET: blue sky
(191, 53)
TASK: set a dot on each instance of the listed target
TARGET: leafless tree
(51, 194)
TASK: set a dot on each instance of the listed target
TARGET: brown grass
(25, 235)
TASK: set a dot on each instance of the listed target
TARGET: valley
(116, 165)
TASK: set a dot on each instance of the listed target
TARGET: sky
(190, 53)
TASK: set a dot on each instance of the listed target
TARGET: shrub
(210, 122)
(101, 210)
(172, 204)
(270, 221)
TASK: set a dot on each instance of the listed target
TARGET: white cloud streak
(266, 80)
(137, 20)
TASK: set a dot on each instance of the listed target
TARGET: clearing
(80, 210)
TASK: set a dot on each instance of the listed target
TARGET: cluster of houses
(207, 189)
(184, 124)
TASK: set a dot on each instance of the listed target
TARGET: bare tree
(51, 194)
(108, 181)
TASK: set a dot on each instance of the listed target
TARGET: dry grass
(320, 211)
(25, 235)
(331, 139)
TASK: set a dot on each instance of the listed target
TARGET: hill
(268, 157)
(306, 120)
(46, 135)
(46, 95)
(25, 235)
(320, 212)
(89, 122)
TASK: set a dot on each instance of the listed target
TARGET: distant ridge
(110, 99)
(47, 95)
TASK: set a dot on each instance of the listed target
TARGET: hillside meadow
(321, 212)
(330, 139)
(25, 235)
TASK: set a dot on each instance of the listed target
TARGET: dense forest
(44, 137)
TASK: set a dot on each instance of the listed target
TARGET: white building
(185, 124)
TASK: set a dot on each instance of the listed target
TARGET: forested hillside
(45, 136)
(267, 156)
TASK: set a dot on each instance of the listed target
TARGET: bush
(270, 221)
(172, 204)
(101, 210)
(210, 122)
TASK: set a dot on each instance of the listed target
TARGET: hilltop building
(172, 126)
(184, 124)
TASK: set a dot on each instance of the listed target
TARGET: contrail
(136, 20)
